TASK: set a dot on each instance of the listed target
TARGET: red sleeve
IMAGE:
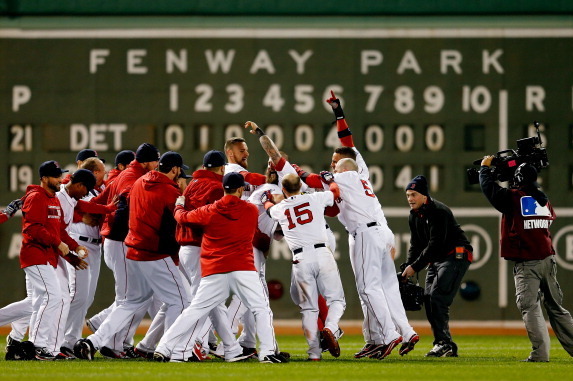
(35, 220)
(335, 190)
(254, 178)
(199, 216)
(92, 207)
(314, 181)
(332, 211)
(3, 218)
(102, 197)
(343, 129)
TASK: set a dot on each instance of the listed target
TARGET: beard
(54, 187)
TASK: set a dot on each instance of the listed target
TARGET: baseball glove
(412, 294)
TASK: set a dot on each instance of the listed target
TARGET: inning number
(367, 190)
(303, 216)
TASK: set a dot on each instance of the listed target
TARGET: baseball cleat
(63, 356)
(387, 349)
(129, 352)
(368, 350)
(198, 354)
(331, 342)
(442, 349)
(273, 359)
(67, 351)
(250, 352)
(44, 355)
(144, 353)
(217, 350)
(409, 345)
(160, 357)
(84, 349)
(112, 353)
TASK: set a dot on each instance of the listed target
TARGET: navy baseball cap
(85, 177)
(124, 157)
(214, 159)
(183, 175)
(171, 159)
(419, 184)
(86, 154)
(233, 180)
(147, 153)
(51, 169)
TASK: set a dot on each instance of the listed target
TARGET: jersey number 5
(367, 189)
(303, 216)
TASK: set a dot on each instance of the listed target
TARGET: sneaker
(331, 342)
(274, 358)
(286, 355)
(198, 354)
(91, 326)
(44, 355)
(368, 350)
(160, 357)
(387, 349)
(143, 353)
(251, 352)
(217, 350)
(408, 346)
(63, 356)
(112, 353)
(129, 352)
(67, 351)
(84, 349)
(442, 349)
(240, 357)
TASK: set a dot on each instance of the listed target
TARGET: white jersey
(288, 168)
(359, 204)
(68, 204)
(302, 218)
(232, 167)
(362, 167)
(82, 229)
(266, 224)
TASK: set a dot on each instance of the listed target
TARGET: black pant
(442, 282)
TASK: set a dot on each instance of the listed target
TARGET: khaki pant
(536, 282)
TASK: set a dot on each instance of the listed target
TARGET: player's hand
(327, 177)
(335, 104)
(77, 262)
(180, 201)
(254, 129)
(267, 196)
(486, 162)
(13, 207)
(64, 249)
(408, 272)
(82, 251)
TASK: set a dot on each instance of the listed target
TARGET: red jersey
(112, 174)
(151, 224)
(228, 229)
(43, 228)
(205, 188)
(116, 224)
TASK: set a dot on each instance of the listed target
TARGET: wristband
(344, 133)
(260, 132)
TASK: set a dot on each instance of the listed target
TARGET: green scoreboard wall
(419, 101)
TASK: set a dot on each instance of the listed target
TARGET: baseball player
(121, 162)
(44, 241)
(114, 231)
(85, 228)
(314, 270)
(227, 266)
(151, 254)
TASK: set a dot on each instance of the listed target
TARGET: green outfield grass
(481, 358)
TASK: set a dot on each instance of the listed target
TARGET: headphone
(525, 174)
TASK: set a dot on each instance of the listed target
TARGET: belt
(316, 246)
(462, 252)
(370, 224)
(328, 227)
(90, 240)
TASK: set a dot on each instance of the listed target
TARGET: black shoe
(213, 351)
(408, 346)
(143, 353)
(442, 349)
(160, 357)
(63, 356)
(44, 355)
(130, 352)
(286, 355)
(386, 349)
(368, 350)
(273, 359)
(84, 349)
(67, 351)
(112, 353)
(250, 352)
(331, 342)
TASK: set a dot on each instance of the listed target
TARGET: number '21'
(303, 216)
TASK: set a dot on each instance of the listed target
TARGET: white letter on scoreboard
(97, 57)
(134, 59)
(370, 58)
(20, 95)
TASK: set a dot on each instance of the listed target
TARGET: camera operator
(526, 241)
(436, 239)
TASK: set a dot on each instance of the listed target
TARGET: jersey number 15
(303, 216)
